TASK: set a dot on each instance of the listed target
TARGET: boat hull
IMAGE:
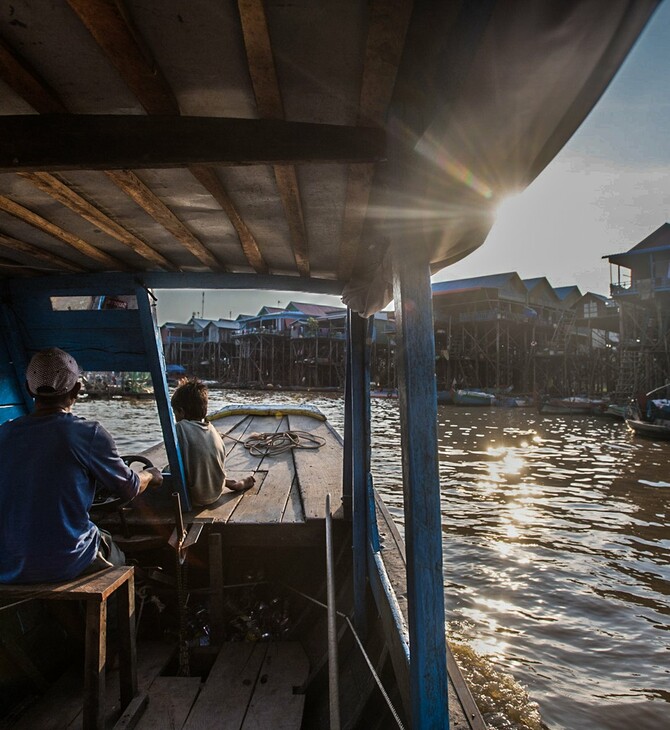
(649, 430)
(572, 406)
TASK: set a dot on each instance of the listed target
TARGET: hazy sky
(605, 191)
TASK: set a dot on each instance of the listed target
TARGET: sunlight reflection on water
(556, 549)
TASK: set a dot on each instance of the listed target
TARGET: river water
(556, 551)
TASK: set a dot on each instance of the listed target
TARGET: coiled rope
(278, 442)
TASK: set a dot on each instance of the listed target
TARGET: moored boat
(656, 429)
(618, 411)
(462, 397)
(649, 416)
(573, 405)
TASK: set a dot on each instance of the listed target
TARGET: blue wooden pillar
(415, 360)
(156, 363)
(359, 405)
(347, 464)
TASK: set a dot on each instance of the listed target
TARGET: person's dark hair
(191, 398)
(58, 401)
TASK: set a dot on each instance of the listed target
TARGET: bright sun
(508, 208)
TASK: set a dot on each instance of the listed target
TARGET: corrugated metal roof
(655, 242)
(564, 291)
(490, 281)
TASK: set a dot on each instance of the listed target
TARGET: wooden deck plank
(170, 701)
(237, 434)
(227, 504)
(267, 503)
(319, 471)
(293, 511)
(273, 704)
(222, 703)
(61, 706)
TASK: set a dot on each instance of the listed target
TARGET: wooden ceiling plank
(20, 77)
(359, 185)
(289, 191)
(208, 178)
(389, 20)
(42, 224)
(112, 28)
(264, 80)
(57, 143)
(36, 252)
(64, 194)
(127, 181)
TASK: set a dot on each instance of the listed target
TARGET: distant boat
(444, 397)
(514, 401)
(620, 412)
(574, 405)
(650, 430)
(472, 398)
(652, 417)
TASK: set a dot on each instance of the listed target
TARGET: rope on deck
(275, 443)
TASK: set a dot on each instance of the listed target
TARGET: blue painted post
(415, 359)
(156, 360)
(347, 468)
(360, 430)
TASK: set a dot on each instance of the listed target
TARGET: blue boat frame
(129, 340)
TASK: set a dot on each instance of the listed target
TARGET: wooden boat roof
(297, 140)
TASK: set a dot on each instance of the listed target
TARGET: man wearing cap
(50, 462)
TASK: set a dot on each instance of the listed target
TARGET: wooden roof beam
(127, 181)
(208, 178)
(61, 192)
(14, 245)
(270, 106)
(111, 26)
(18, 75)
(41, 224)
(31, 143)
(389, 20)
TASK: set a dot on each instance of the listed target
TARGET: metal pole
(333, 680)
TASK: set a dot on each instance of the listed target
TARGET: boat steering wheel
(104, 501)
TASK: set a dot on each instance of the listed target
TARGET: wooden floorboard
(61, 706)
(170, 701)
(274, 705)
(293, 511)
(319, 471)
(222, 703)
(267, 504)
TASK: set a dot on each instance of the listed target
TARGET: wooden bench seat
(94, 590)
